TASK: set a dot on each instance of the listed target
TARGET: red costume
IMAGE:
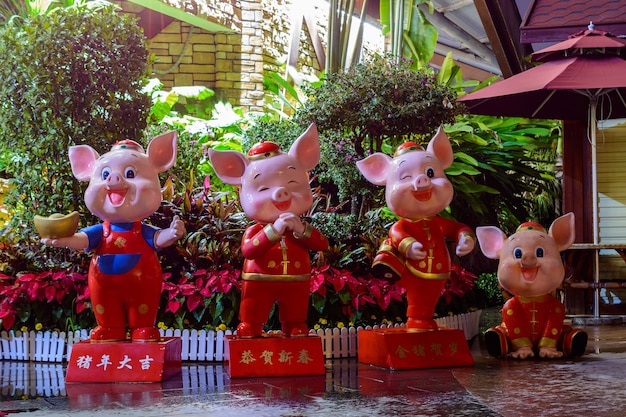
(534, 322)
(277, 269)
(125, 280)
(423, 279)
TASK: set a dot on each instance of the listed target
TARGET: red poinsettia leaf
(50, 292)
(8, 319)
(193, 301)
(338, 283)
(383, 302)
(317, 280)
(206, 292)
(187, 289)
(80, 306)
(173, 306)
(26, 277)
(60, 294)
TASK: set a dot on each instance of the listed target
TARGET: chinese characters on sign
(267, 357)
(108, 364)
(434, 349)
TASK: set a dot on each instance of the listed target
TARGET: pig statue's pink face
(275, 185)
(272, 182)
(124, 182)
(416, 185)
(530, 260)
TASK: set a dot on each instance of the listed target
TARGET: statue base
(124, 361)
(273, 355)
(400, 348)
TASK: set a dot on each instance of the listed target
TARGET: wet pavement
(592, 385)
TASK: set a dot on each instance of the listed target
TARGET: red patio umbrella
(574, 83)
(590, 41)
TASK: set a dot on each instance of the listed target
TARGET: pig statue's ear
(491, 240)
(306, 149)
(563, 231)
(83, 160)
(229, 166)
(162, 151)
(375, 168)
(440, 146)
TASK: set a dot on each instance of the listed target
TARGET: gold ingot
(57, 225)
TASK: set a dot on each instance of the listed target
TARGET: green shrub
(72, 76)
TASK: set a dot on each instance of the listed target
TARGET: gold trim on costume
(521, 342)
(404, 245)
(306, 234)
(271, 233)
(250, 276)
(427, 275)
(547, 342)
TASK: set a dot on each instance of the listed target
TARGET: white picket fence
(197, 346)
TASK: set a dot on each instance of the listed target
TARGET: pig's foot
(108, 334)
(249, 330)
(295, 329)
(421, 324)
(145, 334)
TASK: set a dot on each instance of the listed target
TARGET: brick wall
(231, 64)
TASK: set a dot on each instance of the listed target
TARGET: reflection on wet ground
(587, 386)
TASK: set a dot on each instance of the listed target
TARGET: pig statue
(125, 275)
(275, 192)
(531, 268)
(415, 252)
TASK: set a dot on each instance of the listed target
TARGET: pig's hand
(288, 221)
(465, 245)
(77, 241)
(415, 251)
(167, 237)
(522, 353)
(549, 352)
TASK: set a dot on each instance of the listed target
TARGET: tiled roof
(550, 20)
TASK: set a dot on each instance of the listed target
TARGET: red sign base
(399, 348)
(273, 355)
(124, 361)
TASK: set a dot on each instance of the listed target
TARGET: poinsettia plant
(459, 294)
(50, 300)
(342, 297)
(201, 298)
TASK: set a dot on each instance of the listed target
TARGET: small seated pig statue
(416, 253)
(531, 268)
(125, 276)
(275, 192)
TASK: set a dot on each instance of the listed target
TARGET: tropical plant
(501, 167)
(343, 51)
(412, 36)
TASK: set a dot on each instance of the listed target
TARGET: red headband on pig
(127, 144)
(263, 150)
(531, 226)
(407, 147)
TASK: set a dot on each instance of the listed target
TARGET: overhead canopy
(211, 16)
(560, 89)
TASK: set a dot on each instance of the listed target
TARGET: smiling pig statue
(416, 253)
(275, 192)
(531, 268)
(125, 276)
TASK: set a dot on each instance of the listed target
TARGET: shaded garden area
(79, 75)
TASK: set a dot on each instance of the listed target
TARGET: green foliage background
(71, 76)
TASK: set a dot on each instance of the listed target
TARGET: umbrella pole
(594, 192)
